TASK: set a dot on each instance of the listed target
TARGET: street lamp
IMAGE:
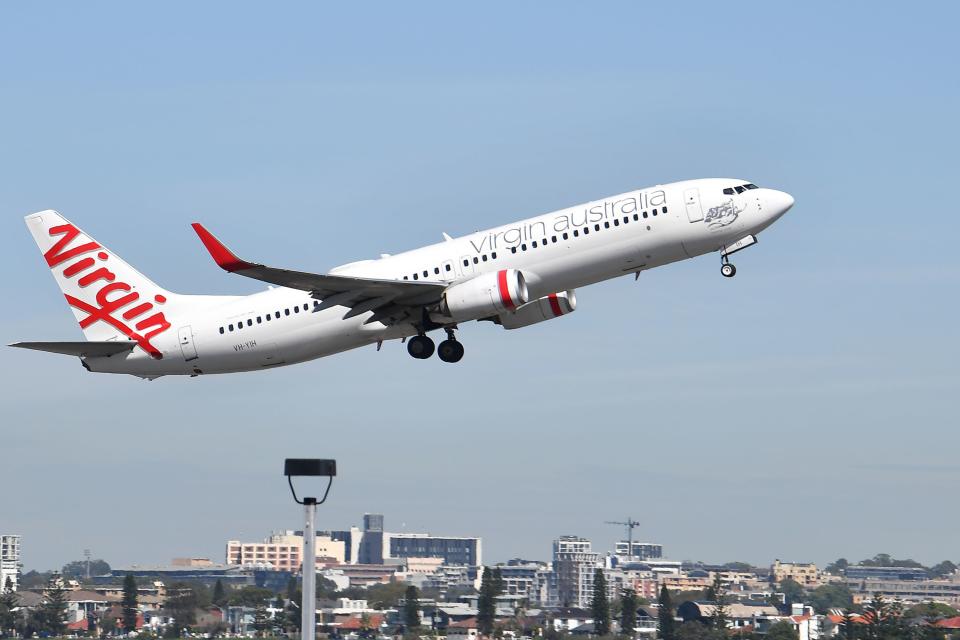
(310, 467)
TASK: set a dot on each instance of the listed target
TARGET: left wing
(392, 301)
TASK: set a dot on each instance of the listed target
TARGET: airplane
(514, 275)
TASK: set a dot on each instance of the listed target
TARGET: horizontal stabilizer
(81, 349)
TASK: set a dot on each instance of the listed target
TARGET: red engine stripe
(504, 289)
(555, 305)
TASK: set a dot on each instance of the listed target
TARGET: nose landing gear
(727, 270)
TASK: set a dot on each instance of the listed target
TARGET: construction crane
(630, 524)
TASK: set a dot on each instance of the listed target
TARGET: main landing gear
(727, 270)
(422, 347)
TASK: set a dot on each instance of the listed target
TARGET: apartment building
(10, 564)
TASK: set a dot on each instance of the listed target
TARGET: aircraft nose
(778, 202)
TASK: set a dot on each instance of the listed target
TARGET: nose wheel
(727, 270)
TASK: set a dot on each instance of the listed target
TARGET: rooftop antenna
(630, 524)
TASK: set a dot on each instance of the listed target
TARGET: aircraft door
(187, 347)
(691, 198)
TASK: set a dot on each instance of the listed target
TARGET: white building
(10, 561)
(574, 565)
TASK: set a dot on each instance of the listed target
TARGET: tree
(52, 616)
(628, 612)
(385, 596)
(698, 631)
(250, 596)
(830, 596)
(665, 615)
(8, 602)
(943, 569)
(719, 617)
(129, 603)
(182, 605)
(487, 603)
(838, 566)
(792, 590)
(219, 594)
(600, 605)
(261, 619)
(848, 628)
(782, 630)
(78, 569)
(411, 609)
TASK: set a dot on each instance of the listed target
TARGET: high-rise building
(641, 550)
(574, 564)
(527, 579)
(452, 550)
(9, 561)
(371, 549)
(284, 551)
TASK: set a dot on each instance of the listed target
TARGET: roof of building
(469, 623)
(29, 599)
(737, 610)
(82, 595)
(355, 623)
(948, 623)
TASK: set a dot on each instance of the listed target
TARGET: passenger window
(436, 271)
(239, 326)
(654, 212)
(553, 239)
(221, 330)
(493, 255)
(416, 277)
(286, 312)
(425, 273)
(268, 317)
(616, 222)
(596, 227)
(626, 219)
(406, 277)
(250, 322)
(513, 249)
(524, 247)
(306, 306)
(231, 327)
(259, 320)
(476, 260)
(606, 225)
(278, 315)
(565, 236)
(728, 191)
(586, 231)
(663, 209)
(644, 214)
(636, 217)
(576, 233)
(447, 266)
(296, 309)
(534, 244)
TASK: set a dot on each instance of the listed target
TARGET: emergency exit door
(186, 344)
(691, 198)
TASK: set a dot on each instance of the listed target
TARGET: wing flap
(80, 349)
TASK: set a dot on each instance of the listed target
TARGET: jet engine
(486, 295)
(545, 308)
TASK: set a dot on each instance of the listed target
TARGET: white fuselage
(557, 251)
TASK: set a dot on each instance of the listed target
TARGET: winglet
(221, 255)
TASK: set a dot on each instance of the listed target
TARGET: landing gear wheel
(450, 350)
(728, 270)
(420, 347)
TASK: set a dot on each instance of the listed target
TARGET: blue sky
(804, 410)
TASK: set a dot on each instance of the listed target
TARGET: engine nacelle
(486, 295)
(545, 308)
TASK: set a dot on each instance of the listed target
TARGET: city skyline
(802, 410)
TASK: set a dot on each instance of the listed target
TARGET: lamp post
(310, 467)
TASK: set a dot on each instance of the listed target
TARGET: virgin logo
(112, 296)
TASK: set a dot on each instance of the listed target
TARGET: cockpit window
(751, 186)
(728, 191)
(740, 189)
